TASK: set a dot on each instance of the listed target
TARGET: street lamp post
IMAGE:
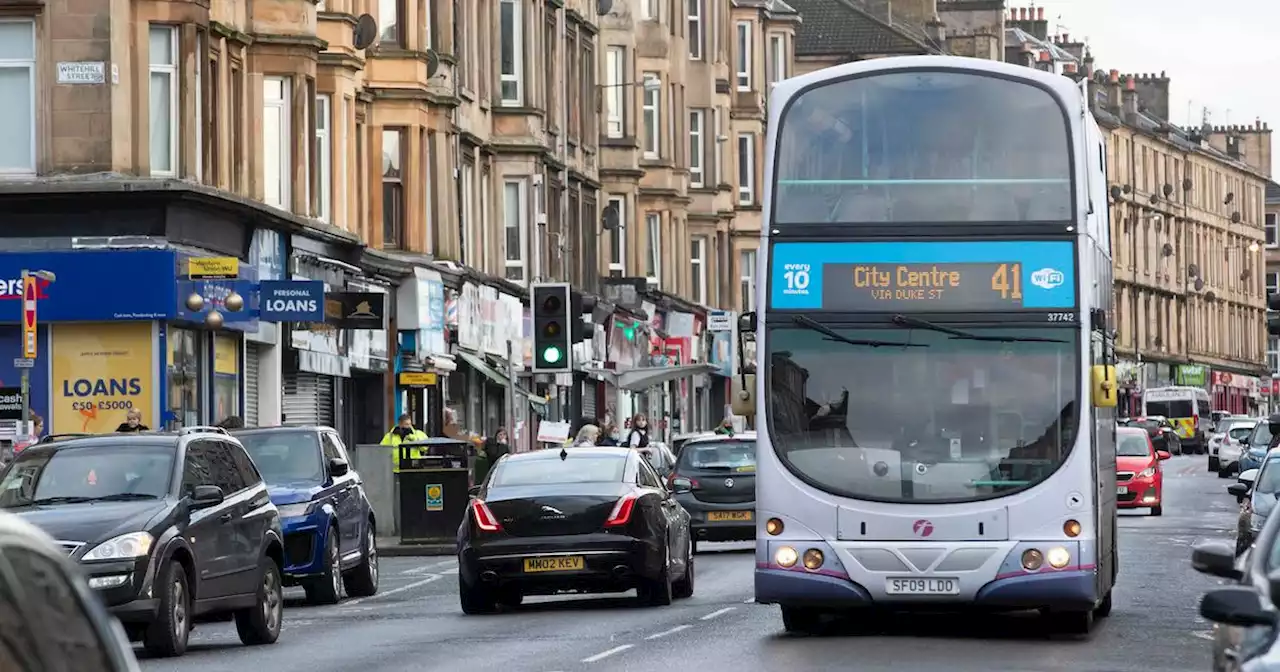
(30, 305)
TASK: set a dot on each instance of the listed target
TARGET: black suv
(169, 528)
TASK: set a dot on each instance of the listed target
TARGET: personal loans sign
(292, 301)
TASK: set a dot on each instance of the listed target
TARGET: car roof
(91, 440)
(1131, 430)
(720, 438)
(281, 428)
(576, 451)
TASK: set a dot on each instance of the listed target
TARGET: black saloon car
(576, 520)
(1164, 436)
(169, 528)
(715, 481)
(52, 621)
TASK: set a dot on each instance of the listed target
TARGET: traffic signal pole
(511, 396)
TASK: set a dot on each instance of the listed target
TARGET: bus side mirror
(744, 395)
(747, 322)
(1104, 386)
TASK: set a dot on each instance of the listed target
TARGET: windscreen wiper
(956, 334)
(122, 497)
(833, 335)
(60, 500)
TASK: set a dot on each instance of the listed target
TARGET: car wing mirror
(1163, 455)
(474, 491)
(205, 496)
(1240, 490)
(338, 467)
(1236, 605)
(1215, 559)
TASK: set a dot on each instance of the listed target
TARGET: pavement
(414, 624)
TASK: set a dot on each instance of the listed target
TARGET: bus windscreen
(923, 146)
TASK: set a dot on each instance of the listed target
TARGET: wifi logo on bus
(1047, 278)
(922, 528)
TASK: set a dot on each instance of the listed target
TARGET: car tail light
(621, 514)
(484, 517)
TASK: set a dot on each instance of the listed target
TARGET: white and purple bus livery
(935, 398)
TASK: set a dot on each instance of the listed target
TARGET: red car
(1139, 480)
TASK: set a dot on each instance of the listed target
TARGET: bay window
(515, 218)
(743, 67)
(698, 264)
(618, 239)
(324, 157)
(652, 118)
(18, 90)
(653, 255)
(393, 155)
(697, 148)
(163, 44)
(511, 53)
(277, 155)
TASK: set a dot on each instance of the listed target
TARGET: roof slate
(840, 27)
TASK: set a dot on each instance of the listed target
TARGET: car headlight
(1147, 473)
(1256, 522)
(296, 510)
(123, 547)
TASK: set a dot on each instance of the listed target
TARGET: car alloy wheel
(335, 569)
(178, 603)
(272, 600)
(371, 557)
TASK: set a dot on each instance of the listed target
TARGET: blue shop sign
(215, 293)
(292, 300)
(92, 285)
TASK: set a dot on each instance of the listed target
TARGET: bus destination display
(953, 276)
(911, 287)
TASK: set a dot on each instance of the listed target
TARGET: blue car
(329, 525)
(1255, 447)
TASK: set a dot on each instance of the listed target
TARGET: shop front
(363, 402)
(317, 358)
(115, 337)
(490, 352)
(1233, 392)
(262, 347)
(425, 365)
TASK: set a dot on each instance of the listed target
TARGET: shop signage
(213, 268)
(92, 285)
(1192, 374)
(100, 372)
(720, 320)
(292, 300)
(215, 293)
(417, 379)
(10, 403)
(356, 310)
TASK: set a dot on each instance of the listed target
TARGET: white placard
(553, 432)
(82, 72)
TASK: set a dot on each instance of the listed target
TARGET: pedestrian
(403, 432)
(493, 449)
(132, 422)
(638, 437)
(37, 423)
(726, 427)
(608, 435)
(587, 436)
(232, 422)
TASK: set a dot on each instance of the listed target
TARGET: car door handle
(225, 518)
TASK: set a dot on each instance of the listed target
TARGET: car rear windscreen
(573, 469)
(1178, 408)
(718, 456)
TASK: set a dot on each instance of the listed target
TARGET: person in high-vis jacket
(403, 432)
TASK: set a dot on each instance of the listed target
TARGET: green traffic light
(551, 355)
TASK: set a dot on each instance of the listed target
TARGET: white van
(1188, 409)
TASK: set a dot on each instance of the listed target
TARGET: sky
(1219, 55)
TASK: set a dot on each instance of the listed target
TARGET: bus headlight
(1059, 557)
(773, 526)
(1071, 528)
(812, 559)
(786, 557)
(1032, 559)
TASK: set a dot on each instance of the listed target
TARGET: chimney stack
(1130, 98)
(1113, 92)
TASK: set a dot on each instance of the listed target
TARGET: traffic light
(1273, 314)
(552, 330)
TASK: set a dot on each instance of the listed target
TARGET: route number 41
(798, 280)
(1007, 280)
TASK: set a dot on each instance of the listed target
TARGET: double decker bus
(934, 383)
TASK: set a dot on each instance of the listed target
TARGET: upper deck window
(923, 147)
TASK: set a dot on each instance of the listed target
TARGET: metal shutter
(325, 412)
(308, 399)
(589, 399)
(300, 401)
(252, 351)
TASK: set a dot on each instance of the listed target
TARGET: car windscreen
(1240, 432)
(718, 456)
(1260, 438)
(654, 455)
(1132, 444)
(1269, 476)
(286, 457)
(112, 471)
(572, 469)
(1176, 408)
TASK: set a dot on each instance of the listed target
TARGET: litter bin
(434, 489)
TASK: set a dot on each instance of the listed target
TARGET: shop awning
(478, 363)
(643, 378)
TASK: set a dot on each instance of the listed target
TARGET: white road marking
(393, 591)
(449, 572)
(664, 633)
(718, 612)
(426, 569)
(1204, 634)
(605, 654)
